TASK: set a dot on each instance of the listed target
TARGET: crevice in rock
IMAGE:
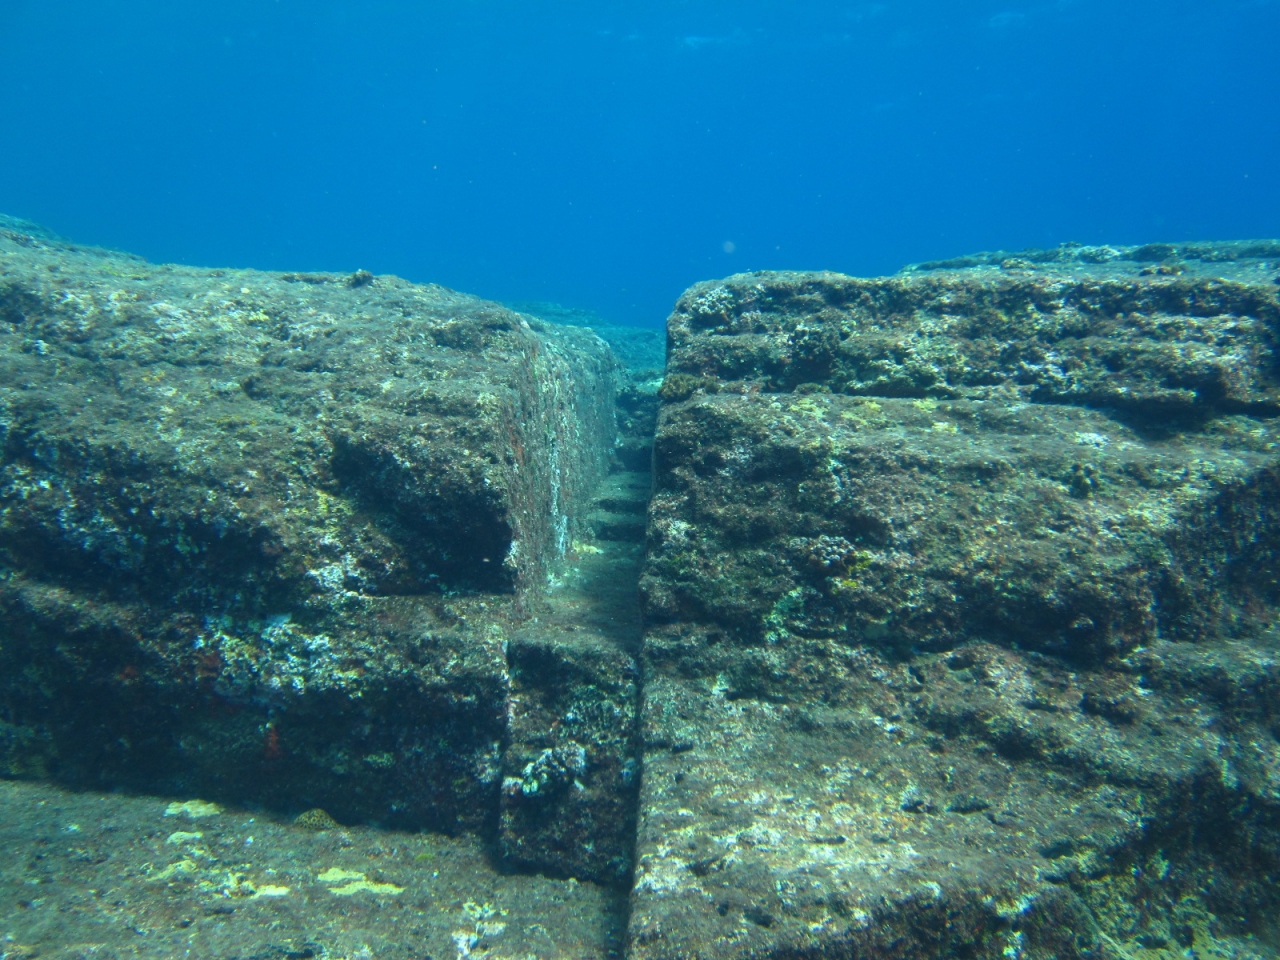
(571, 761)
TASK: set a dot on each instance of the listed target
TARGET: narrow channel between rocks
(342, 616)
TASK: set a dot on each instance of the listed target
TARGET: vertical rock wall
(926, 555)
(263, 536)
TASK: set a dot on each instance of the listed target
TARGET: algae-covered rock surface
(136, 878)
(263, 537)
(923, 616)
(961, 598)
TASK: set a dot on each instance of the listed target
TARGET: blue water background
(606, 155)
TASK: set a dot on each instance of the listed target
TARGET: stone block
(958, 583)
(263, 536)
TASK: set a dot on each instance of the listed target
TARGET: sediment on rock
(265, 537)
(954, 582)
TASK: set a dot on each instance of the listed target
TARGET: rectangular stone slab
(924, 523)
(262, 536)
(959, 600)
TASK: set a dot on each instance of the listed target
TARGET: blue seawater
(607, 154)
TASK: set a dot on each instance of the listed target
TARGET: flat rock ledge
(961, 596)
(265, 538)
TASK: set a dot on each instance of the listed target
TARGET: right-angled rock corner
(960, 596)
(265, 538)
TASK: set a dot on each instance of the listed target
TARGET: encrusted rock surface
(568, 797)
(572, 753)
(93, 875)
(959, 621)
(960, 595)
(264, 537)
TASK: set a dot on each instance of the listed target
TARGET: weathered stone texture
(1183, 341)
(922, 523)
(263, 536)
(1062, 457)
(568, 802)
(959, 593)
(572, 753)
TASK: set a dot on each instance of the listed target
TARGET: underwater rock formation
(961, 598)
(957, 629)
(263, 537)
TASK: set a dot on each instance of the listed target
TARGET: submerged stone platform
(264, 538)
(946, 623)
(961, 602)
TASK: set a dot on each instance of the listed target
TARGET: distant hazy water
(605, 155)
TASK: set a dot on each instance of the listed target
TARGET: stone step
(570, 769)
(621, 527)
(632, 484)
(622, 503)
(635, 453)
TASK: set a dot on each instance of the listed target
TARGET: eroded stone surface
(572, 753)
(568, 803)
(959, 586)
(954, 582)
(112, 875)
(264, 536)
